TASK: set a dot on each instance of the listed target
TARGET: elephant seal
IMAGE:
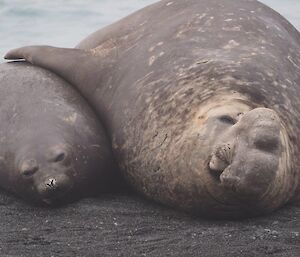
(200, 99)
(53, 148)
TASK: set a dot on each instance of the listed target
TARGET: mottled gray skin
(53, 149)
(200, 99)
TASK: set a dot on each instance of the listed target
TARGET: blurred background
(66, 22)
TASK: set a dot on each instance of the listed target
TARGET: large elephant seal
(201, 101)
(53, 148)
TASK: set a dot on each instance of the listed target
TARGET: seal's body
(53, 148)
(201, 101)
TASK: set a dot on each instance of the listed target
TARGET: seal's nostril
(51, 183)
(54, 187)
(267, 141)
(265, 144)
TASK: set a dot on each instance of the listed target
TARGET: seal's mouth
(47, 201)
(220, 159)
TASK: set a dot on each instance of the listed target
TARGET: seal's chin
(47, 201)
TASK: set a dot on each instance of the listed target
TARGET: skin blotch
(231, 44)
(152, 60)
(71, 118)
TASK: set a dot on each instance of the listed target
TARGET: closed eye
(29, 172)
(60, 157)
(227, 119)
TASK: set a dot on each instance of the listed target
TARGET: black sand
(126, 225)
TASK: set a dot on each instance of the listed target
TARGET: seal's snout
(54, 187)
(51, 184)
(264, 133)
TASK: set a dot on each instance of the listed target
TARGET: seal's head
(53, 166)
(239, 158)
(46, 172)
(245, 156)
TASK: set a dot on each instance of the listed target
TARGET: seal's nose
(54, 187)
(264, 132)
(51, 184)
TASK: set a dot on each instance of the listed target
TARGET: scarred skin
(53, 148)
(200, 100)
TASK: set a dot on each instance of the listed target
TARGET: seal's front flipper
(79, 67)
(36, 54)
(15, 54)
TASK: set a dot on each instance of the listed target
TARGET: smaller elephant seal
(53, 148)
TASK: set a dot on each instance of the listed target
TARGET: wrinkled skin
(53, 148)
(200, 99)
